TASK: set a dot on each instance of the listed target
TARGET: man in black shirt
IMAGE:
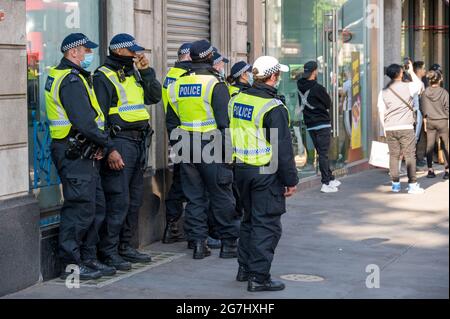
(315, 104)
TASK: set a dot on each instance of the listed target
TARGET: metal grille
(187, 21)
(302, 278)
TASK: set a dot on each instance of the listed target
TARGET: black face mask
(126, 61)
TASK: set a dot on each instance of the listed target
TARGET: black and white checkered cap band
(241, 71)
(204, 54)
(185, 51)
(218, 60)
(122, 45)
(75, 44)
(272, 70)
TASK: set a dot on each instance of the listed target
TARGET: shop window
(48, 22)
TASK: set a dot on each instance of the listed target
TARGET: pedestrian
(255, 114)
(79, 141)
(124, 84)
(396, 109)
(434, 105)
(241, 78)
(420, 70)
(198, 109)
(315, 104)
(175, 197)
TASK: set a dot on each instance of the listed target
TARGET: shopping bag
(379, 155)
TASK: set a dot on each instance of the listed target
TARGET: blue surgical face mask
(88, 59)
(250, 79)
(277, 85)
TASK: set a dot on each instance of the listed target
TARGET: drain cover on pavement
(302, 278)
(158, 258)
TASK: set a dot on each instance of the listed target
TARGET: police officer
(264, 177)
(213, 241)
(78, 142)
(198, 109)
(175, 196)
(219, 62)
(124, 85)
(241, 78)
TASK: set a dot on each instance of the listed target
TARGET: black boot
(191, 244)
(201, 250)
(228, 250)
(214, 243)
(104, 269)
(86, 273)
(172, 234)
(117, 262)
(267, 285)
(132, 255)
(242, 274)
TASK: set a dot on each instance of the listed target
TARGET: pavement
(328, 242)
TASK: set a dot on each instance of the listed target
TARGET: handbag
(408, 104)
(379, 154)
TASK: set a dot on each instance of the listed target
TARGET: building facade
(352, 40)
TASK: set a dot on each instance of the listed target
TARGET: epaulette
(74, 75)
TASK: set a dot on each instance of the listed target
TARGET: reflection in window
(47, 24)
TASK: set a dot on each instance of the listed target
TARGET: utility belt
(79, 147)
(142, 137)
(137, 135)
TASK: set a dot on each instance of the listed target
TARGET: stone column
(120, 17)
(149, 18)
(392, 31)
(229, 28)
(418, 32)
(255, 29)
(19, 213)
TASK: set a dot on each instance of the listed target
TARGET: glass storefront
(48, 23)
(333, 33)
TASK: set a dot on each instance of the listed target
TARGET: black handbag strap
(408, 104)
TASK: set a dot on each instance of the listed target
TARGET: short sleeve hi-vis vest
(130, 106)
(190, 98)
(58, 120)
(246, 114)
(172, 76)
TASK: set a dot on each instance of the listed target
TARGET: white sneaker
(329, 189)
(415, 189)
(335, 183)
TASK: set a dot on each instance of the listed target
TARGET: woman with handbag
(397, 106)
(434, 106)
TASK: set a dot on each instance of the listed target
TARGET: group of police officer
(234, 163)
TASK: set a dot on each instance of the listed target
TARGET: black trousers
(421, 148)
(321, 140)
(175, 197)
(262, 197)
(208, 186)
(83, 210)
(212, 224)
(437, 129)
(123, 194)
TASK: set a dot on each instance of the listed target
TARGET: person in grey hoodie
(434, 106)
(397, 104)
